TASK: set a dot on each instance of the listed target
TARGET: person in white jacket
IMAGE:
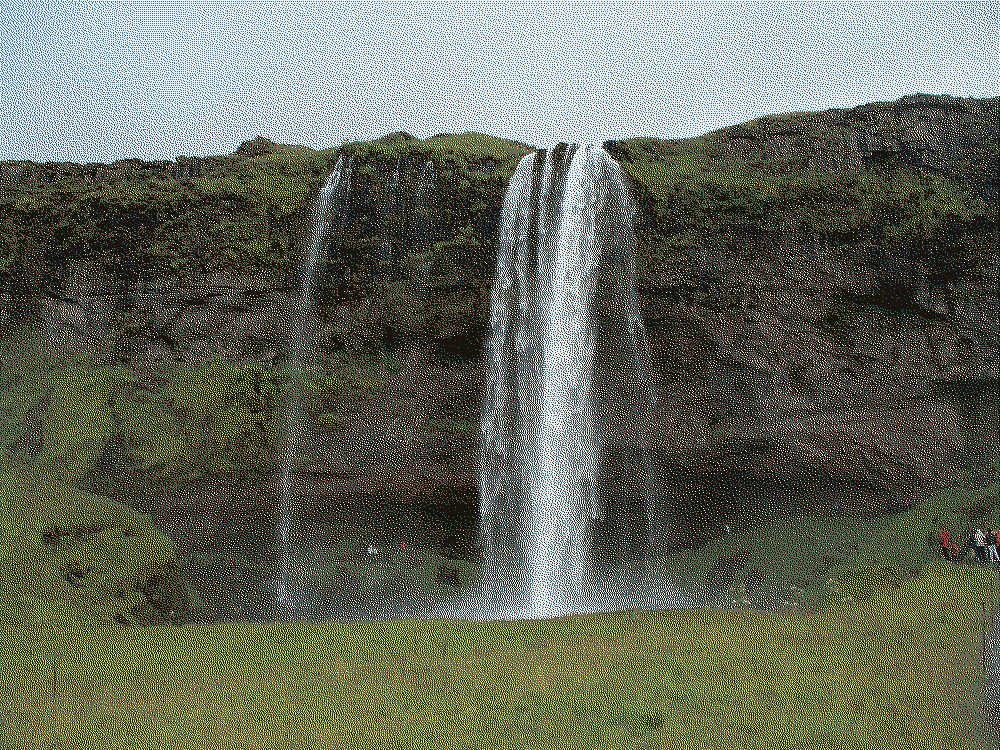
(980, 545)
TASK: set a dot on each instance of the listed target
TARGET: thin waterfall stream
(286, 603)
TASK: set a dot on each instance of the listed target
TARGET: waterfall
(390, 219)
(332, 189)
(421, 232)
(564, 483)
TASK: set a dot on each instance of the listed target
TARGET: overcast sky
(99, 83)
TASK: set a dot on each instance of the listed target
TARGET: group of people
(983, 543)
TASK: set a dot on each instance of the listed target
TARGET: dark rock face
(233, 315)
(814, 368)
(762, 393)
(793, 361)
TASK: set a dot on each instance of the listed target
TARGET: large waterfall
(565, 499)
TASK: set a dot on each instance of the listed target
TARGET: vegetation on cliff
(905, 187)
(178, 423)
(69, 554)
(696, 202)
(146, 221)
(439, 222)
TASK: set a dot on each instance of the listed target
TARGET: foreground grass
(898, 665)
(886, 660)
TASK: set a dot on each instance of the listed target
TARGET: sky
(102, 82)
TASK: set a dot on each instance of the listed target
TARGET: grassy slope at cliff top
(691, 201)
(873, 671)
(239, 210)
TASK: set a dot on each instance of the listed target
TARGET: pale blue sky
(153, 81)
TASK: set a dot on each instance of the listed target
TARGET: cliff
(819, 292)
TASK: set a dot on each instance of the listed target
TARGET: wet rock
(448, 575)
(722, 574)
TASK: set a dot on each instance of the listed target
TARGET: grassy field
(889, 658)
(898, 666)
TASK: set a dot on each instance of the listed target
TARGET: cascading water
(321, 227)
(390, 222)
(568, 377)
(420, 233)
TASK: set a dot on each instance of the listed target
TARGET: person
(945, 543)
(980, 545)
(991, 542)
(970, 543)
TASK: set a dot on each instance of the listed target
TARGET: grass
(884, 660)
(798, 554)
(898, 665)
(446, 147)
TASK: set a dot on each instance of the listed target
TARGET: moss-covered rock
(810, 284)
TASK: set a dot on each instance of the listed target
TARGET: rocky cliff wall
(819, 291)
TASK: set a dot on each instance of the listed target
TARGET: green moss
(217, 418)
(450, 226)
(74, 556)
(446, 148)
(689, 202)
(229, 416)
(242, 211)
(23, 385)
(81, 417)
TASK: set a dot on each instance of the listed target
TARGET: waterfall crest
(567, 377)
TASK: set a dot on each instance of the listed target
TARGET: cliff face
(830, 325)
(819, 292)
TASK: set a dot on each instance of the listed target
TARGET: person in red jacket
(945, 544)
